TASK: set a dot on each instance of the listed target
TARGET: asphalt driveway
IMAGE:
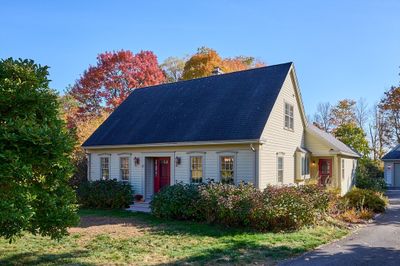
(376, 244)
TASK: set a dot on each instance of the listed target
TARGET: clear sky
(341, 49)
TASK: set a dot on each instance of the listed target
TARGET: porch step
(140, 207)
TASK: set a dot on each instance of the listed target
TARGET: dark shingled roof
(392, 155)
(233, 106)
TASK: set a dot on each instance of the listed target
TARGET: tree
(353, 136)
(380, 133)
(81, 129)
(390, 104)
(361, 113)
(173, 68)
(202, 64)
(240, 63)
(343, 113)
(103, 87)
(205, 60)
(35, 149)
(322, 118)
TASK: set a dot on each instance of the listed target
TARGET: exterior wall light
(178, 161)
(137, 160)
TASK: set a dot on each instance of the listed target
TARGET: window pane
(227, 169)
(196, 169)
(280, 169)
(105, 170)
(124, 168)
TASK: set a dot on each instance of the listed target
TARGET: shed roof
(394, 154)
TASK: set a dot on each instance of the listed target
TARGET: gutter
(170, 144)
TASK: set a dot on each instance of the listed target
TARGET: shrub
(376, 184)
(176, 202)
(369, 175)
(350, 216)
(226, 204)
(109, 194)
(366, 199)
(275, 208)
(282, 208)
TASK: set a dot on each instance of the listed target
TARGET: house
(391, 162)
(245, 126)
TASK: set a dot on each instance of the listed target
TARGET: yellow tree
(202, 64)
(205, 60)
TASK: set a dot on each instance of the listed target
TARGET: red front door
(162, 173)
(325, 170)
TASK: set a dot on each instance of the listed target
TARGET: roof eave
(169, 144)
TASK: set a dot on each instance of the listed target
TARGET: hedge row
(105, 194)
(275, 208)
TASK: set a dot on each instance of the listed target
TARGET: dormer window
(289, 121)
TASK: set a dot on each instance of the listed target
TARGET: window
(305, 165)
(280, 169)
(289, 116)
(124, 168)
(196, 169)
(105, 168)
(342, 168)
(227, 169)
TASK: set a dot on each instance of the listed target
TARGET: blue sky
(341, 49)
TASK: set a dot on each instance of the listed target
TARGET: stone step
(140, 207)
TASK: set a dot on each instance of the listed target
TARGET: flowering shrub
(226, 204)
(275, 208)
(283, 208)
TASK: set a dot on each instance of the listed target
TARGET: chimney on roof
(217, 71)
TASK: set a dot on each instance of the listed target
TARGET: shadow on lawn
(353, 255)
(240, 252)
(156, 225)
(30, 258)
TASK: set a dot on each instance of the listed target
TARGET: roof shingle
(233, 106)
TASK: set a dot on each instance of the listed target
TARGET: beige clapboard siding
(346, 181)
(315, 145)
(245, 162)
(279, 140)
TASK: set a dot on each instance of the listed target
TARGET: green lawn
(120, 237)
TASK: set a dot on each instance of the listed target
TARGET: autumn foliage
(103, 87)
(205, 60)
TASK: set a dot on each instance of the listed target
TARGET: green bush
(275, 208)
(283, 208)
(176, 202)
(366, 199)
(369, 175)
(376, 184)
(105, 194)
(226, 204)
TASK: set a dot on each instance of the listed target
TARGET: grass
(121, 237)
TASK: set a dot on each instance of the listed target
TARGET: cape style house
(246, 126)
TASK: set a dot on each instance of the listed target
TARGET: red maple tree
(105, 86)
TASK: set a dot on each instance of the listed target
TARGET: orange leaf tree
(205, 60)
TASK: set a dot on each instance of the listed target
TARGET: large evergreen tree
(35, 150)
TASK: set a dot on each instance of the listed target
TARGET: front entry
(325, 171)
(162, 173)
